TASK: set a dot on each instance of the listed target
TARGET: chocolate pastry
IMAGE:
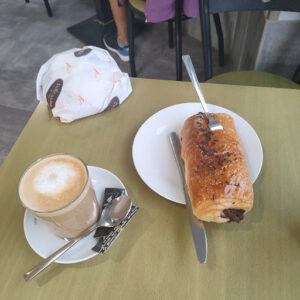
(216, 171)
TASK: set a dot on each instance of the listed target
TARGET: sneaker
(112, 44)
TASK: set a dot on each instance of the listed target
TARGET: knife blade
(197, 226)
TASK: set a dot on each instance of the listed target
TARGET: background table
(154, 257)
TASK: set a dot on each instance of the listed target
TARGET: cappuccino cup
(57, 188)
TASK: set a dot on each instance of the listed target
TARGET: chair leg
(206, 38)
(131, 42)
(171, 34)
(178, 40)
(49, 11)
(220, 38)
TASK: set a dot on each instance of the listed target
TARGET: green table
(154, 257)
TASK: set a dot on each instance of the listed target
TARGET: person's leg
(118, 42)
(120, 17)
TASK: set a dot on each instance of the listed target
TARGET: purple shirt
(162, 10)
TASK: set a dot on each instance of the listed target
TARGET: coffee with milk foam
(53, 183)
(57, 189)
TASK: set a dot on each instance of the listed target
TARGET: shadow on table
(255, 216)
(115, 253)
(49, 273)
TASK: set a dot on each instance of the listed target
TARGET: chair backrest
(207, 7)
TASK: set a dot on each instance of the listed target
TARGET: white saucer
(44, 242)
(152, 153)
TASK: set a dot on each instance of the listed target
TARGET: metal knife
(197, 226)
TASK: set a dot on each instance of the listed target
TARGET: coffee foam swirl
(53, 183)
(53, 178)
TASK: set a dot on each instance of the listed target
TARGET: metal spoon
(113, 214)
(212, 123)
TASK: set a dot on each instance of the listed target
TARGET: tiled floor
(28, 38)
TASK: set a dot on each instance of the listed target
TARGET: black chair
(47, 5)
(137, 7)
(207, 7)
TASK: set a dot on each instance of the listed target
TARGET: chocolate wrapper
(106, 236)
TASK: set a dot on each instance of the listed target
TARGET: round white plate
(152, 153)
(44, 242)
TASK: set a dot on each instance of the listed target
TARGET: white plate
(44, 242)
(153, 157)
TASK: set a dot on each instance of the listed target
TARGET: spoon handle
(192, 74)
(47, 261)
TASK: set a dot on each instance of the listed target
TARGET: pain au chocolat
(216, 171)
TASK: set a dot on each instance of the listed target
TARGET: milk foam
(52, 183)
(53, 178)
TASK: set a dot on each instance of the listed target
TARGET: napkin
(107, 235)
(81, 82)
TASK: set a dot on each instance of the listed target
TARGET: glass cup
(57, 188)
